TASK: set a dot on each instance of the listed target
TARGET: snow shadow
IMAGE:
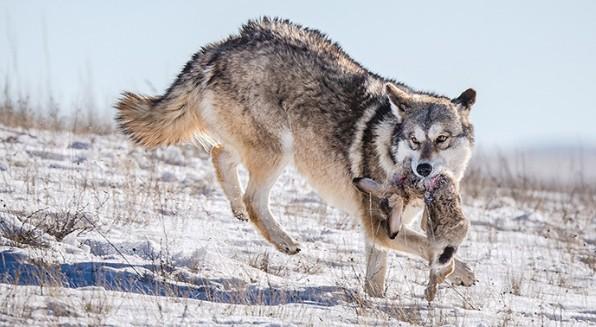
(145, 279)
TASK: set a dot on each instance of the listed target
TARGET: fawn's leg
(412, 242)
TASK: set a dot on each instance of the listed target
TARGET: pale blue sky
(533, 63)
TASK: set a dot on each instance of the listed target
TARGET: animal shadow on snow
(15, 269)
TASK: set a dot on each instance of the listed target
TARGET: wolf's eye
(441, 138)
(414, 144)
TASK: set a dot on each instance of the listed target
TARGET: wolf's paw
(291, 250)
(287, 245)
(240, 214)
(463, 275)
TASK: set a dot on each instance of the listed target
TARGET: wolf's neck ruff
(371, 149)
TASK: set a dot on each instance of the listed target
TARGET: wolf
(278, 93)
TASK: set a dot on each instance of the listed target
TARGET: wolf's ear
(399, 100)
(466, 99)
(367, 185)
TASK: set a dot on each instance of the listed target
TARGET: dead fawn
(443, 220)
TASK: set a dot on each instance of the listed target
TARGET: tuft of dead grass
(21, 112)
(263, 262)
(21, 232)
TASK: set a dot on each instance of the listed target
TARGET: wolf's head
(434, 132)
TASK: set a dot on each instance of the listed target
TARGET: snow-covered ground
(153, 242)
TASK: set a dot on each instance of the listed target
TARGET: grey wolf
(280, 93)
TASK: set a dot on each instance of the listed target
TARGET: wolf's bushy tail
(156, 121)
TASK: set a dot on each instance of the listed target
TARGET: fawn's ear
(367, 185)
(400, 100)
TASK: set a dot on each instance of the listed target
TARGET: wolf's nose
(424, 169)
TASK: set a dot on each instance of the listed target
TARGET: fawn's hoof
(462, 275)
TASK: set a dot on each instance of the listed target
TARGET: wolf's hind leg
(264, 169)
(376, 270)
(226, 163)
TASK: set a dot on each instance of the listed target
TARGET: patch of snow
(168, 177)
(166, 250)
(171, 155)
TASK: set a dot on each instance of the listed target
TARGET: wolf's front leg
(376, 270)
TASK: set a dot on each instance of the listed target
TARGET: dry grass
(61, 215)
(516, 283)
(59, 224)
(23, 233)
(21, 112)
(572, 203)
(67, 222)
(511, 177)
(262, 261)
